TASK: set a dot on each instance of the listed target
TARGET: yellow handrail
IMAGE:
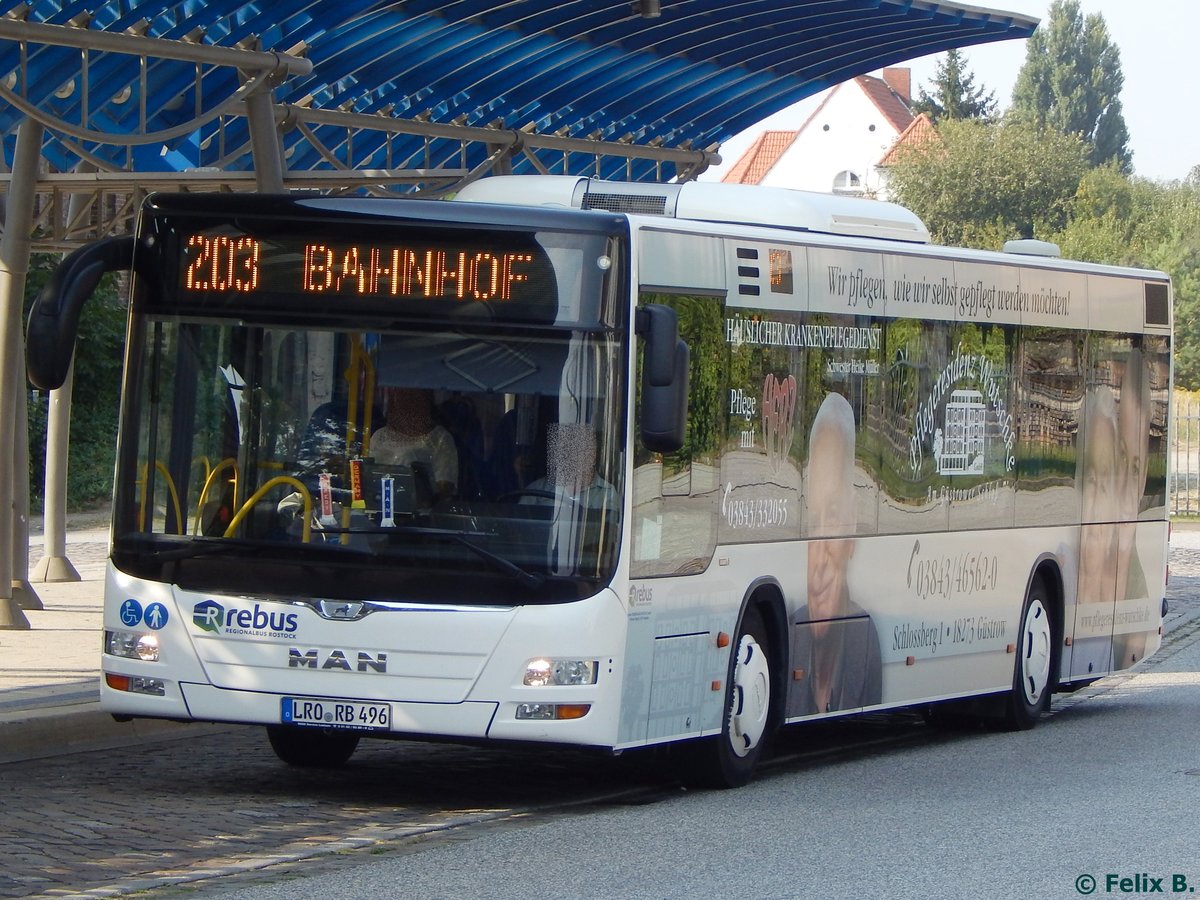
(360, 367)
(207, 465)
(159, 466)
(227, 463)
(306, 529)
(359, 373)
(369, 393)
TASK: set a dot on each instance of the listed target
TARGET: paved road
(1107, 786)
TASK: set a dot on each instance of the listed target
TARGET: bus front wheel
(313, 748)
(1032, 682)
(729, 759)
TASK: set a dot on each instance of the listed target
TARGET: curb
(45, 733)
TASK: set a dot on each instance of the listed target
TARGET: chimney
(900, 81)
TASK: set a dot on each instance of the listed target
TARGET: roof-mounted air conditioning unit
(708, 202)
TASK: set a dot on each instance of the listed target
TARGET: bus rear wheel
(312, 748)
(1032, 682)
(729, 760)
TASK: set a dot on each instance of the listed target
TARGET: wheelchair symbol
(131, 612)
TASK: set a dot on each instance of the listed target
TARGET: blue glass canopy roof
(690, 76)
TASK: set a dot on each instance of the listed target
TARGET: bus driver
(411, 437)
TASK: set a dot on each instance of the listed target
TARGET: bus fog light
(132, 645)
(136, 684)
(154, 686)
(535, 711)
(546, 672)
(553, 710)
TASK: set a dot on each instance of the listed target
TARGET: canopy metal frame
(100, 198)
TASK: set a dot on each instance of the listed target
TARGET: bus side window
(676, 496)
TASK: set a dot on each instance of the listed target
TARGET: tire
(729, 759)
(1033, 680)
(312, 748)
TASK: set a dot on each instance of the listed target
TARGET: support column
(54, 564)
(14, 265)
(265, 146)
(23, 593)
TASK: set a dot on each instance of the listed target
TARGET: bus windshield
(429, 464)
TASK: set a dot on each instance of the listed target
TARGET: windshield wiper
(196, 546)
(199, 546)
(507, 566)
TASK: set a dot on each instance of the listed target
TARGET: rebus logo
(212, 617)
(208, 616)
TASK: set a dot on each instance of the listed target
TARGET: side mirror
(664, 379)
(54, 318)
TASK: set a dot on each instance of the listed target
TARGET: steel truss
(100, 198)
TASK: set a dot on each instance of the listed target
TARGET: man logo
(208, 616)
(337, 609)
(336, 660)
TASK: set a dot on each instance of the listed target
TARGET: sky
(1160, 59)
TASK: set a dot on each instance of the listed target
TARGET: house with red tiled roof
(840, 146)
(919, 132)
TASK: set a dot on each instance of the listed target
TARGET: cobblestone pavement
(110, 823)
(113, 823)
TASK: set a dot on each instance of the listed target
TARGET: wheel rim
(751, 697)
(1035, 652)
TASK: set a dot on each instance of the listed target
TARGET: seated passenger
(459, 417)
(411, 437)
(571, 470)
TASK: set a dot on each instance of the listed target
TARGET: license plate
(355, 715)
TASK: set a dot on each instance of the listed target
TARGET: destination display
(456, 271)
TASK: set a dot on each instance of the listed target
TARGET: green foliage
(95, 394)
(981, 184)
(1136, 222)
(1071, 82)
(702, 325)
(1181, 259)
(954, 94)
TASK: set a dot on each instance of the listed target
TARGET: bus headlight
(554, 672)
(132, 645)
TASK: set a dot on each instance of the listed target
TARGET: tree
(1071, 81)
(980, 184)
(954, 94)
(1146, 224)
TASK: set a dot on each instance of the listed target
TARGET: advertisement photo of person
(1133, 448)
(1112, 479)
(836, 645)
(1100, 484)
(1133, 453)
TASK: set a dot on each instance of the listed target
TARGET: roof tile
(920, 131)
(760, 157)
(894, 109)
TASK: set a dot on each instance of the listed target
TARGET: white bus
(615, 465)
